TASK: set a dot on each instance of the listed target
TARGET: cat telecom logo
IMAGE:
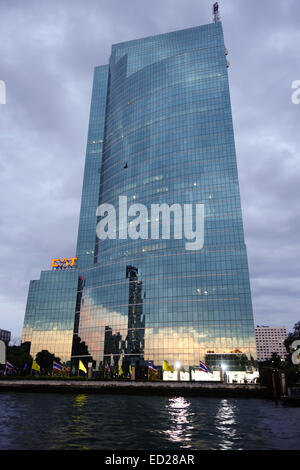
(64, 263)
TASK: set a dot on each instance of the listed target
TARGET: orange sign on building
(65, 262)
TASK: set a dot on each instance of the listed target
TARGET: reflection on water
(79, 424)
(121, 422)
(180, 419)
(80, 401)
(225, 424)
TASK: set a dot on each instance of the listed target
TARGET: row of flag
(82, 367)
(59, 367)
(10, 367)
(55, 366)
(151, 366)
(166, 367)
(203, 367)
(35, 366)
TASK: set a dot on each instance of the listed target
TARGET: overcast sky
(48, 50)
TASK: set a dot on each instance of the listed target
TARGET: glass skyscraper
(160, 132)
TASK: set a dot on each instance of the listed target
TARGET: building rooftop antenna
(216, 12)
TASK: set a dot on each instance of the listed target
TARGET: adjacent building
(5, 336)
(160, 132)
(269, 340)
(50, 312)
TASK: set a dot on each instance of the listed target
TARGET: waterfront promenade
(216, 389)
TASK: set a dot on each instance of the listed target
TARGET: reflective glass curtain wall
(49, 317)
(91, 181)
(168, 138)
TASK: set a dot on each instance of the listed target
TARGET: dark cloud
(48, 51)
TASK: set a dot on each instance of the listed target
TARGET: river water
(121, 422)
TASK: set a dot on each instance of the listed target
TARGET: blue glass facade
(49, 317)
(161, 133)
(169, 139)
(91, 182)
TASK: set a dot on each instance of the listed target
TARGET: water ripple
(117, 422)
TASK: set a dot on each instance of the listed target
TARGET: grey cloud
(48, 51)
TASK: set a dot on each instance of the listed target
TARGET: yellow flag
(130, 369)
(35, 366)
(166, 366)
(81, 367)
(120, 368)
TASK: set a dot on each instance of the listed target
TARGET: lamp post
(223, 368)
(177, 367)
